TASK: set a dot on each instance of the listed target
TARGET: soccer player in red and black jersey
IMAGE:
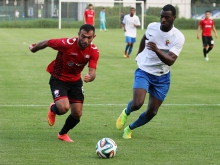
(207, 25)
(89, 15)
(65, 82)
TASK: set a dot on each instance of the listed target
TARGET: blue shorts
(157, 86)
(130, 39)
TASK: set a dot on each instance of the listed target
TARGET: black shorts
(71, 90)
(207, 40)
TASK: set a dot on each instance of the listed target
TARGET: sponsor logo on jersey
(208, 26)
(70, 63)
(73, 54)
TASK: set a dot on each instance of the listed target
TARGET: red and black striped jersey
(70, 59)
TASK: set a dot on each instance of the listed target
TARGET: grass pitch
(185, 131)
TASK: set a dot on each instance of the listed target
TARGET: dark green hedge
(112, 22)
(155, 11)
(112, 11)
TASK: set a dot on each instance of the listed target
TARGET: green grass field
(185, 131)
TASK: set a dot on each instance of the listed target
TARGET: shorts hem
(59, 98)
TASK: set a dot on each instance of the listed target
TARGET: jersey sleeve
(61, 44)
(178, 45)
(200, 23)
(94, 58)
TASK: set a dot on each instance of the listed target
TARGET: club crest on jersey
(87, 56)
(71, 41)
(56, 93)
(70, 63)
(167, 42)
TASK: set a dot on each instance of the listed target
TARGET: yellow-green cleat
(121, 120)
(127, 133)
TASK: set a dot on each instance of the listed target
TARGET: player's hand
(31, 46)
(198, 37)
(124, 29)
(216, 35)
(87, 78)
(152, 46)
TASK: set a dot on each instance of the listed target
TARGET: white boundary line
(43, 105)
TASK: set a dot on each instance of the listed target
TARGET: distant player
(66, 84)
(102, 19)
(89, 16)
(130, 24)
(122, 18)
(207, 25)
(159, 48)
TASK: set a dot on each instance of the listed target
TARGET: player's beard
(82, 45)
(166, 27)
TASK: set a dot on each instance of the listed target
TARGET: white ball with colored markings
(106, 148)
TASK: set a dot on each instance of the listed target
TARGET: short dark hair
(207, 11)
(132, 8)
(169, 7)
(90, 4)
(87, 28)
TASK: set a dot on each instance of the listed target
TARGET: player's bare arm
(123, 25)
(41, 45)
(90, 76)
(84, 18)
(214, 29)
(142, 44)
(198, 32)
(167, 59)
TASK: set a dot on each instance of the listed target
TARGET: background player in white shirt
(130, 24)
(158, 50)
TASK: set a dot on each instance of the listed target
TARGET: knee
(137, 104)
(63, 108)
(76, 115)
(152, 112)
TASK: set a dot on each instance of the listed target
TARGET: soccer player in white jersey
(130, 24)
(158, 50)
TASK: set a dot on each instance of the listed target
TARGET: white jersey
(171, 41)
(128, 21)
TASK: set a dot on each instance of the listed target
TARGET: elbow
(170, 63)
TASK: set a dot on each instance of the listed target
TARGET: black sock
(55, 110)
(204, 52)
(209, 49)
(69, 124)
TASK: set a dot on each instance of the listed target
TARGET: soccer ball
(106, 148)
